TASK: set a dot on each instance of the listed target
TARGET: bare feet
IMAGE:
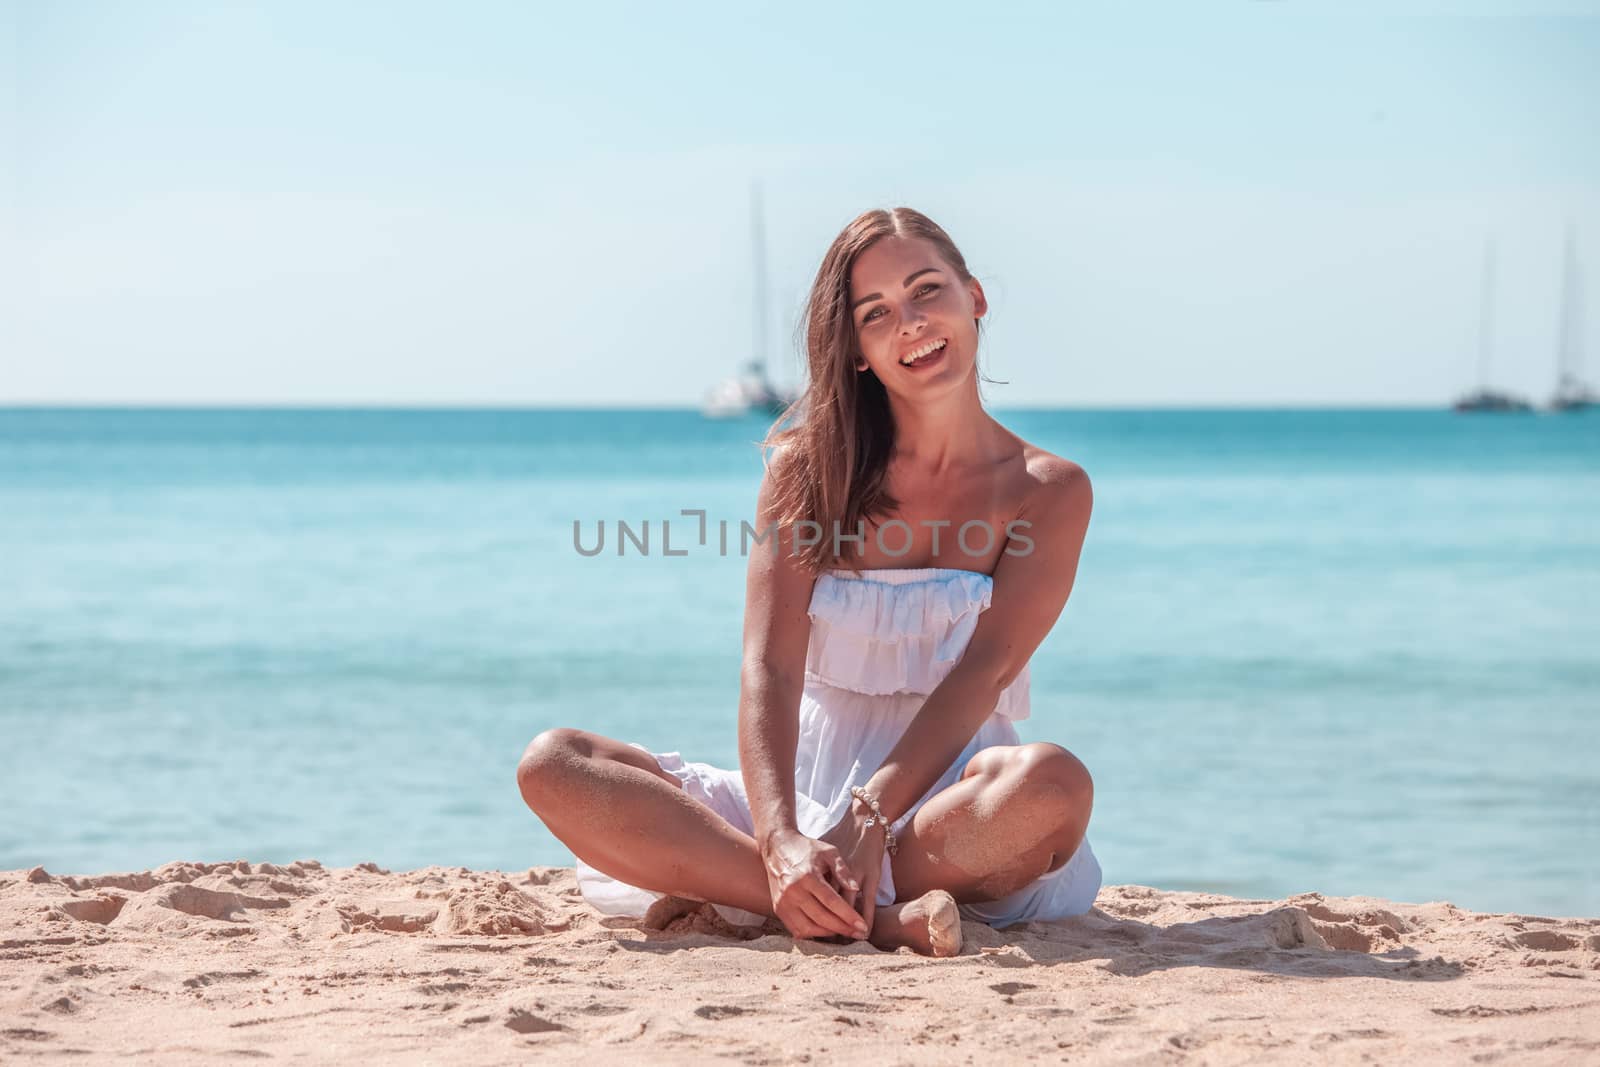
(685, 915)
(931, 925)
(668, 908)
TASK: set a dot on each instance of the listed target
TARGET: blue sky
(1198, 203)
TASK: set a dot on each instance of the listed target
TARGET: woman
(885, 660)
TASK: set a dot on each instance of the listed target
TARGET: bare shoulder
(779, 458)
(781, 466)
(1052, 484)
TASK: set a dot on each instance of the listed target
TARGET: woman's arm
(802, 872)
(777, 630)
(1029, 594)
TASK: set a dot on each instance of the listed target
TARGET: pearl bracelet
(876, 817)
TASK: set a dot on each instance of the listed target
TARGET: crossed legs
(1017, 812)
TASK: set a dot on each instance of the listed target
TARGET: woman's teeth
(923, 353)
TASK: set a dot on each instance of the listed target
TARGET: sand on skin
(194, 961)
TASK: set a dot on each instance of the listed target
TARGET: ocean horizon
(1341, 649)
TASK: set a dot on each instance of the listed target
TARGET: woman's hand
(806, 877)
(862, 848)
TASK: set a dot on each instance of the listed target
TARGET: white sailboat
(1572, 392)
(1485, 398)
(751, 391)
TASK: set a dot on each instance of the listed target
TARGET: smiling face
(915, 317)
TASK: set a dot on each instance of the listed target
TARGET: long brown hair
(838, 436)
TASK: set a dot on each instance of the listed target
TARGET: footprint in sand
(1481, 1011)
(856, 1005)
(210, 903)
(394, 917)
(718, 1011)
(1314, 925)
(526, 1022)
(1011, 989)
(500, 908)
(24, 1033)
(441, 989)
(101, 909)
(1368, 930)
(1548, 941)
(199, 981)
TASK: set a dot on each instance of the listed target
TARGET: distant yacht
(1572, 392)
(1483, 398)
(1491, 400)
(751, 391)
(746, 394)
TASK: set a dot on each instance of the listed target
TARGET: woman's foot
(673, 914)
(667, 909)
(930, 925)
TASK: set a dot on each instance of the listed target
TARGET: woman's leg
(619, 812)
(1019, 811)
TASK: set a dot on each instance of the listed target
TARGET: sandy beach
(190, 962)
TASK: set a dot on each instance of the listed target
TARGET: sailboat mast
(758, 240)
(1569, 354)
(1486, 314)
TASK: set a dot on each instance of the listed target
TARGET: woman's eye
(927, 288)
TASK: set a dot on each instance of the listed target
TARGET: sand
(196, 961)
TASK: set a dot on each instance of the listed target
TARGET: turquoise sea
(1352, 651)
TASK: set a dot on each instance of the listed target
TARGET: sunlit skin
(1017, 811)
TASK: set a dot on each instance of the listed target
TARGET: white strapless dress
(881, 640)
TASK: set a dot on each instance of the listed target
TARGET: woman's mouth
(926, 356)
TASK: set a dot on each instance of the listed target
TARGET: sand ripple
(193, 962)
